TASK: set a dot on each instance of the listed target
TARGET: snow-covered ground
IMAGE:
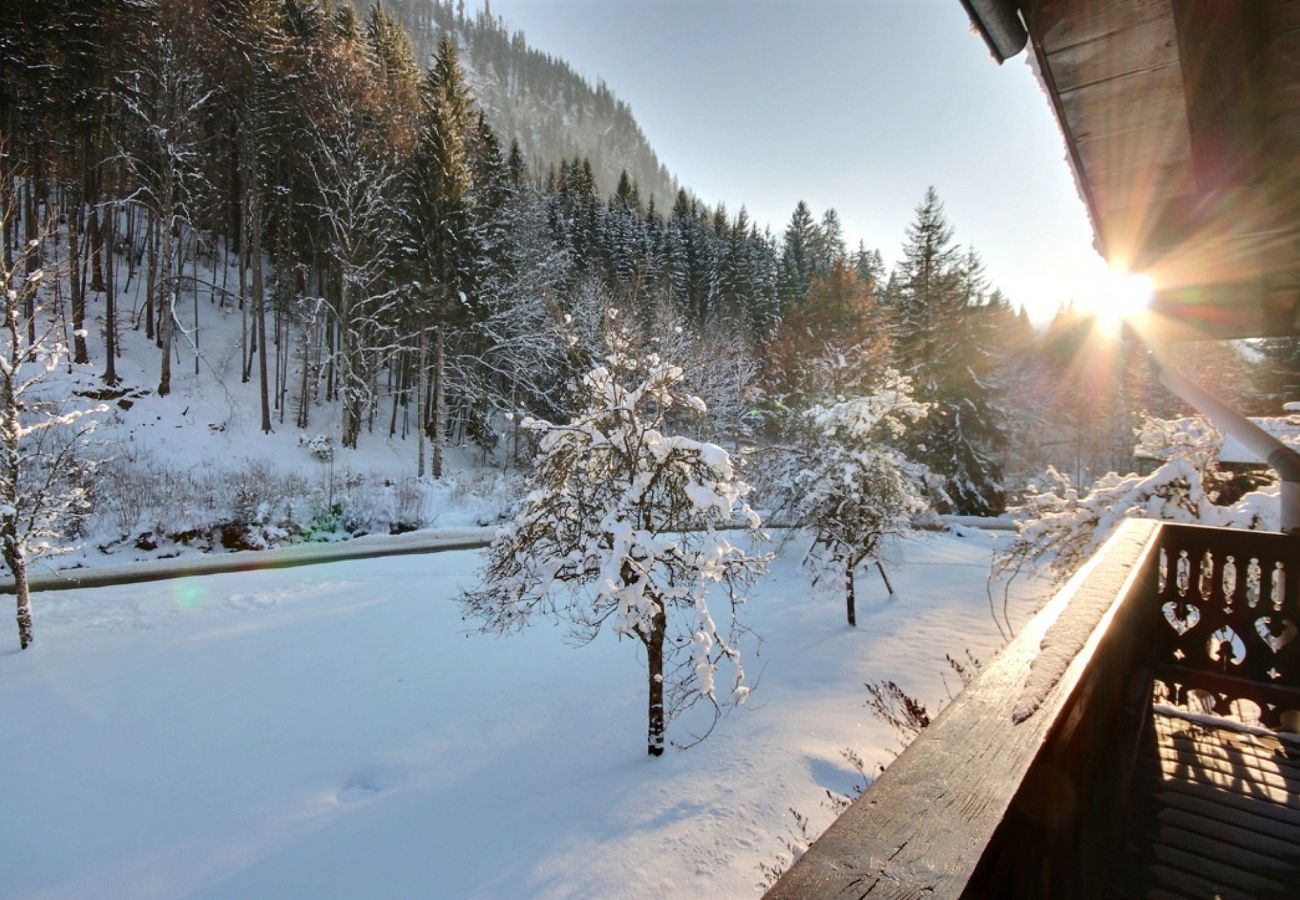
(197, 459)
(338, 730)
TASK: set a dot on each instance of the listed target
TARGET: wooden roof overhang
(1182, 122)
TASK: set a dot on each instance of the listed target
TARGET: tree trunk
(246, 360)
(31, 261)
(850, 598)
(151, 277)
(167, 286)
(259, 311)
(194, 298)
(888, 586)
(96, 234)
(76, 287)
(7, 193)
(654, 645)
(17, 564)
(110, 308)
(438, 436)
(422, 367)
(303, 400)
(348, 368)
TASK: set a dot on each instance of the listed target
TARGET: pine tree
(935, 338)
(797, 257)
(440, 223)
(827, 247)
(869, 266)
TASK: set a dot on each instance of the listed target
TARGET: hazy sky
(844, 103)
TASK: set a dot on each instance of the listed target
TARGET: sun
(1115, 295)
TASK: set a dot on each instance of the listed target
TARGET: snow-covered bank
(336, 731)
(290, 555)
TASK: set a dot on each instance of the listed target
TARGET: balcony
(1137, 738)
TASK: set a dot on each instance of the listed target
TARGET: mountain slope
(554, 112)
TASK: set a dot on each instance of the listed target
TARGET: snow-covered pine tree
(851, 485)
(935, 308)
(797, 257)
(619, 527)
(827, 246)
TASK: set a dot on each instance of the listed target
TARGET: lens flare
(1115, 296)
(187, 594)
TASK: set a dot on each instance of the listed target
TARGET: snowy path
(337, 731)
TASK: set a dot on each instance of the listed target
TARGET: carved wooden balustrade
(1225, 621)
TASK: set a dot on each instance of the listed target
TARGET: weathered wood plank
(1182, 885)
(1217, 853)
(1247, 818)
(1270, 812)
(1112, 110)
(1064, 23)
(1215, 49)
(1215, 877)
(1141, 187)
(1282, 16)
(925, 824)
(1145, 46)
(1197, 766)
(1227, 834)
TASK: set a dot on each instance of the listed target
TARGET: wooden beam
(1217, 46)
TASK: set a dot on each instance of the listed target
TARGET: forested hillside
(274, 198)
(532, 97)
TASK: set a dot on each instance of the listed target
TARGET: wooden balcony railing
(1024, 785)
(1227, 623)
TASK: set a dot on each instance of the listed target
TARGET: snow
(177, 464)
(335, 730)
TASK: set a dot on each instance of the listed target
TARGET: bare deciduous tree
(43, 480)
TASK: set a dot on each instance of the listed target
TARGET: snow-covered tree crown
(621, 526)
(890, 406)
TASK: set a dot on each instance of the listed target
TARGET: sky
(853, 104)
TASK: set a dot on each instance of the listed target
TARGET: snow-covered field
(337, 730)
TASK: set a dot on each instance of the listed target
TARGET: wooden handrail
(930, 825)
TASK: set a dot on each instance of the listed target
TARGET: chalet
(1138, 737)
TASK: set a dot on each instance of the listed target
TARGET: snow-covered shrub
(410, 505)
(619, 526)
(1059, 525)
(320, 446)
(851, 486)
